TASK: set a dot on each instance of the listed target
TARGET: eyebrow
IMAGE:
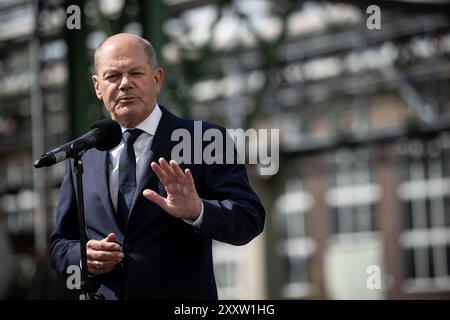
(112, 70)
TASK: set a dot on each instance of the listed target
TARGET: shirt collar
(150, 123)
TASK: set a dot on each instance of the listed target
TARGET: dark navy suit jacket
(165, 257)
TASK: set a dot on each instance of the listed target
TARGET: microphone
(105, 135)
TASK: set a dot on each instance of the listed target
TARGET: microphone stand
(86, 288)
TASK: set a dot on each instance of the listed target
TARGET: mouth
(126, 99)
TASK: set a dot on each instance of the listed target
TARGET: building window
(226, 264)
(424, 193)
(353, 196)
(296, 246)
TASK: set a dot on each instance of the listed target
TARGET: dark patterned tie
(127, 175)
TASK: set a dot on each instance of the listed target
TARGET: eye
(137, 73)
(112, 77)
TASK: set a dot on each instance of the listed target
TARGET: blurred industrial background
(364, 119)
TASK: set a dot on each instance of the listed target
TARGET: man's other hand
(103, 255)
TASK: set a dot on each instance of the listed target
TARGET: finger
(104, 255)
(108, 260)
(156, 198)
(189, 178)
(97, 265)
(100, 267)
(177, 171)
(111, 262)
(111, 238)
(102, 245)
(92, 268)
(162, 176)
(167, 169)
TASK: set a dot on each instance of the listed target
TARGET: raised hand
(182, 199)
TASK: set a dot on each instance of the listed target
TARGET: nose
(125, 83)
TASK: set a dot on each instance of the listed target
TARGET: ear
(96, 83)
(158, 77)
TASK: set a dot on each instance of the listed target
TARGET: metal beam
(152, 16)
(407, 7)
(79, 81)
(38, 141)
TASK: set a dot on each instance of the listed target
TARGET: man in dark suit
(150, 221)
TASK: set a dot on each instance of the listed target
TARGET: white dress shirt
(141, 145)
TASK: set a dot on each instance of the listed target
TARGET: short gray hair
(148, 49)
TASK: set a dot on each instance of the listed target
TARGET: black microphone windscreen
(109, 134)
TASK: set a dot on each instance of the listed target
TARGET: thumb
(156, 198)
(111, 237)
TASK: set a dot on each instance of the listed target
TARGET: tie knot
(130, 135)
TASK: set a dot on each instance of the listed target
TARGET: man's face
(125, 81)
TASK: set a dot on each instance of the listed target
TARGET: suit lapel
(102, 180)
(160, 147)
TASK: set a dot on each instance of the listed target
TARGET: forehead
(122, 55)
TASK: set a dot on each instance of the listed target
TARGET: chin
(128, 119)
(127, 111)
